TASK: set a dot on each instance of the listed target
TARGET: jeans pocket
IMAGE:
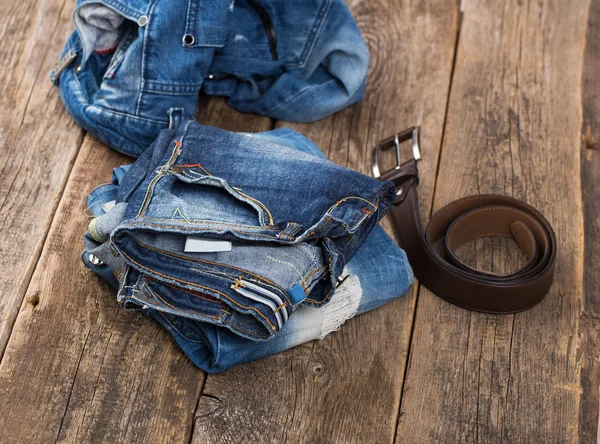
(207, 197)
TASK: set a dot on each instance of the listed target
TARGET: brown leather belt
(462, 221)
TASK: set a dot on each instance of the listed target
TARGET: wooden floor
(508, 96)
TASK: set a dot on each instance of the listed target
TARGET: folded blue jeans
(134, 67)
(331, 212)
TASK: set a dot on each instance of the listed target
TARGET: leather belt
(432, 252)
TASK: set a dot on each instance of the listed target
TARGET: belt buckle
(395, 141)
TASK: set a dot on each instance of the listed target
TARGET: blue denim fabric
(294, 219)
(134, 67)
(376, 274)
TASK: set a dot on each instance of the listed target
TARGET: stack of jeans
(243, 245)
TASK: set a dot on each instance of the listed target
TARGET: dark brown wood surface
(508, 96)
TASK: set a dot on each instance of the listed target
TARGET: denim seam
(268, 236)
(309, 275)
(235, 279)
(235, 192)
(143, 64)
(198, 313)
(125, 10)
(326, 298)
(208, 289)
(218, 264)
(198, 295)
(312, 36)
(161, 172)
(126, 115)
(81, 92)
(135, 224)
(215, 273)
(171, 89)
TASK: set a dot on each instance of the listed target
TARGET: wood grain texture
(347, 387)
(38, 141)
(513, 128)
(589, 323)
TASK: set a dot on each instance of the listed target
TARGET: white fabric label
(202, 245)
(108, 206)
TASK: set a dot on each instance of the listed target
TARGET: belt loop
(175, 117)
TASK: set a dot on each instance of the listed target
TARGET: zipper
(268, 25)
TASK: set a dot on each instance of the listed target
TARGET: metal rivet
(143, 20)
(78, 69)
(398, 191)
(188, 40)
(211, 76)
(94, 260)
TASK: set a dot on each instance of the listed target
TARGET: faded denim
(376, 274)
(134, 67)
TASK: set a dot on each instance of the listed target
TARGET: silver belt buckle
(395, 141)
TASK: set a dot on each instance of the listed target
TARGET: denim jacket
(134, 67)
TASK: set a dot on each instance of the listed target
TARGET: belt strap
(461, 221)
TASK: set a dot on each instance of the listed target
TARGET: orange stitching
(200, 286)
(280, 307)
(193, 165)
(242, 330)
(237, 283)
(269, 236)
(259, 203)
(308, 276)
(168, 253)
(149, 290)
(206, 221)
(188, 291)
(152, 184)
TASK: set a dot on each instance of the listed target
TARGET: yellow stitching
(309, 275)
(203, 287)
(237, 283)
(153, 293)
(271, 222)
(163, 169)
(168, 253)
(135, 224)
(196, 294)
(285, 263)
(178, 211)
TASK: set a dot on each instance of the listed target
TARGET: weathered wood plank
(38, 141)
(513, 128)
(589, 323)
(347, 387)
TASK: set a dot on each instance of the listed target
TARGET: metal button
(188, 40)
(94, 260)
(143, 20)
(78, 69)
